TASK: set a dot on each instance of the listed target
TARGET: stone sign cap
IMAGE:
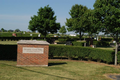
(32, 42)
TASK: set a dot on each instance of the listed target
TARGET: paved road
(114, 77)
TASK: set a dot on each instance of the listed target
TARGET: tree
(89, 22)
(2, 29)
(62, 30)
(10, 30)
(17, 30)
(74, 23)
(44, 22)
(107, 13)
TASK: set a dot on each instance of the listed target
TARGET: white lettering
(33, 50)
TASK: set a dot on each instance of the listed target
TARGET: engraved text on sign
(33, 50)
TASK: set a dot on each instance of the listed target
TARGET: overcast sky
(15, 14)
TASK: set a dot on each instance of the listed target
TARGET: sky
(16, 14)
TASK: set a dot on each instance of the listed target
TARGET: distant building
(72, 34)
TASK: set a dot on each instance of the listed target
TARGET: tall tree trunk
(45, 37)
(116, 49)
(80, 35)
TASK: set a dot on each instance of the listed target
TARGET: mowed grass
(57, 70)
(106, 48)
(8, 42)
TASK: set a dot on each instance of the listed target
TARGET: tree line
(4, 30)
(105, 17)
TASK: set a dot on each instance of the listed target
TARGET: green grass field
(108, 48)
(57, 70)
(8, 42)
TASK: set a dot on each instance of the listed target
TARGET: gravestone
(68, 42)
(55, 35)
(30, 34)
(89, 41)
(38, 35)
(114, 41)
(84, 44)
(23, 32)
(32, 53)
(112, 44)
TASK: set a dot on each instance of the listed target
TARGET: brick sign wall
(32, 53)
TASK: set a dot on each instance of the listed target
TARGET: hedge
(82, 53)
(101, 43)
(102, 55)
(78, 43)
(9, 52)
(106, 39)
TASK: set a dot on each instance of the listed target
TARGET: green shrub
(118, 57)
(8, 52)
(72, 38)
(62, 40)
(107, 39)
(101, 43)
(82, 53)
(78, 43)
(102, 55)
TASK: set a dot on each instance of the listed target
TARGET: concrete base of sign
(32, 53)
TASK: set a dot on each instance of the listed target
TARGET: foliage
(88, 21)
(17, 30)
(107, 39)
(82, 53)
(102, 55)
(19, 34)
(74, 23)
(44, 22)
(9, 52)
(62, 30)
(62, 40)
(101, 43)
(78, 43)
(107, 13)
(2, 29)
(118, 57)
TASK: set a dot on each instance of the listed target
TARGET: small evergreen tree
(62, 30)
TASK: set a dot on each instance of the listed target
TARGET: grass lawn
(108, 48)
(57, 70)
(8, 42)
